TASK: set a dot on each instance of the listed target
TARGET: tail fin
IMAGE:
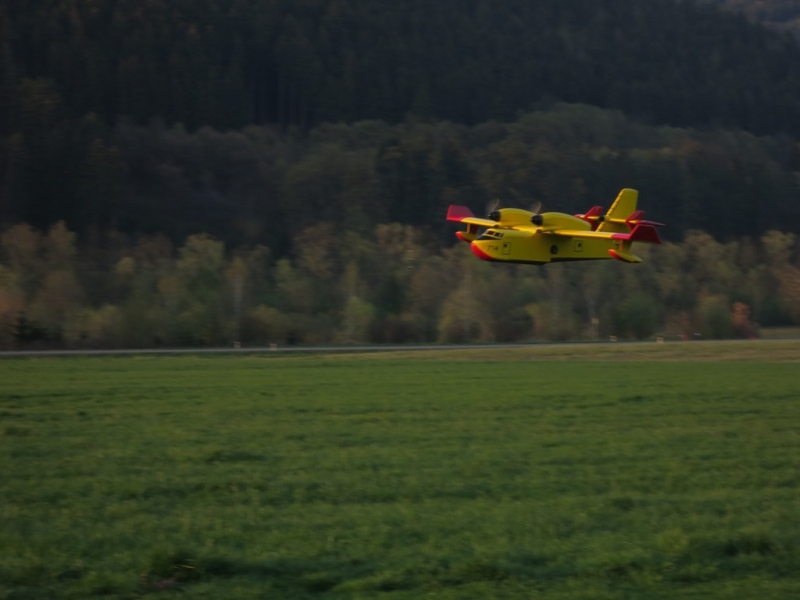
(645, 232)
(594, 216)
(623, 207)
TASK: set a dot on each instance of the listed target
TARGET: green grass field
(638, 471)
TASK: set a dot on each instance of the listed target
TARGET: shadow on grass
(174, 568)
(297, 577)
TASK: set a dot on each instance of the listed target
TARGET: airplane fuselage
(520, 236)
(538, 247)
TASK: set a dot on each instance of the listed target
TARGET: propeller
(534, 206)
(493, 210)
(537, 218)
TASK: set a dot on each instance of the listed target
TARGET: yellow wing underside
(584, 234)
(532, 229)
(479, 222)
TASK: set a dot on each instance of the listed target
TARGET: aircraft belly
(531, 249)
(595, 248)
(541, 249)
(563, 248)
(528, 249)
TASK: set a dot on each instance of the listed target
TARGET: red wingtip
(614, 254)
(457, 213)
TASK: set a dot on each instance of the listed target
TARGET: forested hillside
(229, 64)
(258, 186)
(285, 147)
(121, 114)
(779, 14)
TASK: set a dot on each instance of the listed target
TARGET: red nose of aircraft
(477, 251)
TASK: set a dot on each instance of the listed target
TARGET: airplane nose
(477, 251)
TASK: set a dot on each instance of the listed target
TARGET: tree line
(393, 285)
(250, 120)
(259, 186)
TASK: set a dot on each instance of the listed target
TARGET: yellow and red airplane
(522, 236)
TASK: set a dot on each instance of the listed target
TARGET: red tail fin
(641, 233)
(592, 216)
(637, 217)
(644, 233)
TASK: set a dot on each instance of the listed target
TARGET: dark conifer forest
(782, 15)
(200, 171)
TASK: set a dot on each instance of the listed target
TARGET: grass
(522, 473)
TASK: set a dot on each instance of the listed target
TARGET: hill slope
(778, 14)
(265, 61)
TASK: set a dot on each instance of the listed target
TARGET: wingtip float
(521, 236)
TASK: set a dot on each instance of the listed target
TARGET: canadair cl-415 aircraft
(522, 236)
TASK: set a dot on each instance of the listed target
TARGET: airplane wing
(641, 232)
(577, 233)
(462, 214)
(479, 222)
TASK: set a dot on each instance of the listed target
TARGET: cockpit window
(491, 235)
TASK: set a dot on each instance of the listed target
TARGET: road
(266, 349)
(333, 349)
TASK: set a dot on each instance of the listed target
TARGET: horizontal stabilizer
(641, 233)
(645, 233)
(637, 218)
